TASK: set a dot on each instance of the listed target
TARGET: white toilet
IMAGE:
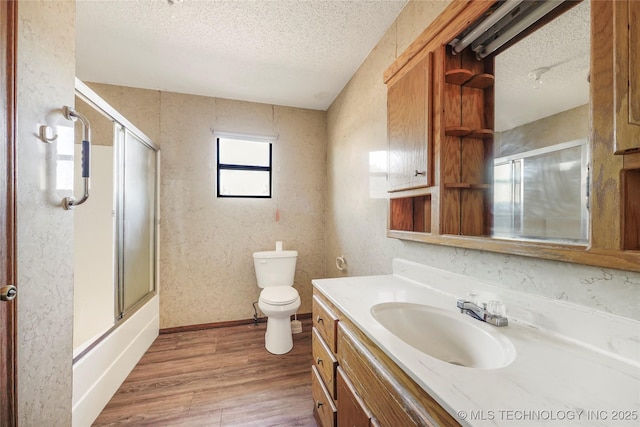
(279, 299)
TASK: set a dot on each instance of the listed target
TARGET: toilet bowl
(278, 303)
(278, 300)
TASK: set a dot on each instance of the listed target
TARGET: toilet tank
(275, 268)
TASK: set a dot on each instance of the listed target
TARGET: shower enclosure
(115, 246)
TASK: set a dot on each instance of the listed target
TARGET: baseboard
(203, 326)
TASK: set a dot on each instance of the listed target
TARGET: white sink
(447, 335)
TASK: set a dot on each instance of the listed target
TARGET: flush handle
(8, 293)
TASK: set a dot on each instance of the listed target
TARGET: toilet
(278, 299)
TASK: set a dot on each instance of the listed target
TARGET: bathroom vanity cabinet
(354, 383)
(440, 110)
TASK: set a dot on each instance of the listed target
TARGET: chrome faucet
(481, 313)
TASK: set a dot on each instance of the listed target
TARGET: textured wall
(206, 268)
(356, 223)
(46, 69)
(140, 106)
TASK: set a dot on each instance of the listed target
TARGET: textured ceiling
(294, 53)
(562, 46)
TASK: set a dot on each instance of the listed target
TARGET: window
(244, 167)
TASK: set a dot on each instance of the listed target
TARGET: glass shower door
(137, 212)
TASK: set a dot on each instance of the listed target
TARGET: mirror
(541, 146)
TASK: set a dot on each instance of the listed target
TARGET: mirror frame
(605, 248)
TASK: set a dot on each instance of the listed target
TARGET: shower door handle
(8, 293)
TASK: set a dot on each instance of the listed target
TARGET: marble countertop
(553, 380)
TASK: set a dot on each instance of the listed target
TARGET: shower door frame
(94, 100)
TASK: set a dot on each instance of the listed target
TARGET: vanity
(554, 362)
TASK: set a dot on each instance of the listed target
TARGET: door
(8, 21)
(409, 127)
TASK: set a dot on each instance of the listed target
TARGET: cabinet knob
(318, 361)
(423, 173)
(319, 320)
(318, 404)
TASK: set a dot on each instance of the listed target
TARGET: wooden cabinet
(454, 206)
(626, 89)
(467, 145)
(352, 411)
(393, 398)
(409, 127)
(323, 344)
(370, 389)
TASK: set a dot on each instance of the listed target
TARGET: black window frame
(227, 166)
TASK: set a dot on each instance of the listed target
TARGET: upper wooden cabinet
(408, 122)
(440, 115)
(626, 50)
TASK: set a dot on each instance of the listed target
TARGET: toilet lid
(279, 295)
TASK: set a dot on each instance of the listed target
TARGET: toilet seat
(278, 295)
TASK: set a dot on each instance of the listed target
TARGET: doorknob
(7, 293)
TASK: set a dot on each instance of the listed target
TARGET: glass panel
(139, 220)
(247, 153)
(542, 194)
(503, 199)
(244, 183)
(552, 204)
(94, 231)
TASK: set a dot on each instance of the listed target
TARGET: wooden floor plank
(217, 378)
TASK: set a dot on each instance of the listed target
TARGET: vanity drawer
(326, 321)
(324, 410)
(324, 361)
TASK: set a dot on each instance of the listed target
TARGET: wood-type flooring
(220, 377)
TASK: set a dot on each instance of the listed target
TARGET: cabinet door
(408, 125)
(626, 15)
(351, 410)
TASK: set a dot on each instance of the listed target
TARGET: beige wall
(562, 127)
(356, 223)
(206, 267)
(46, 69)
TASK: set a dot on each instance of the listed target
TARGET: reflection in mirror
(541, 145)
(527, 179)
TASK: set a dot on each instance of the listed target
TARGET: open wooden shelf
(466, 78)
(466, 185)
(463, 131)
(457, 131)
(480, 81)
(481, 134)
(458, 76)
